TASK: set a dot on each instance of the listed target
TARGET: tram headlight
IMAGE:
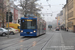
(21, 30)
(34, 31)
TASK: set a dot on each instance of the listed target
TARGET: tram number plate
(28, 32)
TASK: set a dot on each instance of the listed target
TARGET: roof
(28, 18)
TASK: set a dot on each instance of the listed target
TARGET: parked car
(3, 32)
(57, 29)
(13, 31)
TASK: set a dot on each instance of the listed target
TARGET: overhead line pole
(25, 8)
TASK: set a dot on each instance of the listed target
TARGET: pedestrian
(67, 29)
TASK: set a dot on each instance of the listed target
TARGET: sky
(54, 8)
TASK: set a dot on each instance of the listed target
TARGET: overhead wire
(49, 6)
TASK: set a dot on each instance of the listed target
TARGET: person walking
(67, 29)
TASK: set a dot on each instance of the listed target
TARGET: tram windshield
(28, 24)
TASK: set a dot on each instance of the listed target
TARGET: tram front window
(28, 24)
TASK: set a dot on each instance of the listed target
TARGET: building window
(70, 24)
(70, 14)
(70, 4)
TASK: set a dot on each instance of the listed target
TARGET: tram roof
(28, 17)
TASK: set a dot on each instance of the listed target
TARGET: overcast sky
(56, 7)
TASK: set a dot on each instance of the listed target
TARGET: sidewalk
(68, 31)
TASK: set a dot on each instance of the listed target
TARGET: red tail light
(16, 30)
(44, 28)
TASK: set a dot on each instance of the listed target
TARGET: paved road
(52, 40)
(10, 37)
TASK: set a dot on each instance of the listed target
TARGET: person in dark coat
(67, 29)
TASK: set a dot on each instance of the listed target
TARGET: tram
(32, 26)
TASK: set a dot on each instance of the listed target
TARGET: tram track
(47, 42)
(27, 38)
(18, 39)
(15, 43)
(37, 42)
(29, 47)
(8, 42)
(42, 42)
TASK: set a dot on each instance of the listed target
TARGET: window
(70, 4)
(18, 27)
(1, 30)
(28, 24)
(70, 14)
(70, 24)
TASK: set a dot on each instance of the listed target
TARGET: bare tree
(2, 7)
(29, 6)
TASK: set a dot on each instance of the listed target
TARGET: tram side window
(33, 24)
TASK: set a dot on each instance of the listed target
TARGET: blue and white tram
(31, 26)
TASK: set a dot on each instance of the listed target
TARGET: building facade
(15, 15)
(20, 13)
(64, 15)
(66, 20)
(60, 19)
(71, 14)
(65, 11)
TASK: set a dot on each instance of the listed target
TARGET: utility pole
(25, 9)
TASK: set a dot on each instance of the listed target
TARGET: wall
(70, 14)
(15, 15)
